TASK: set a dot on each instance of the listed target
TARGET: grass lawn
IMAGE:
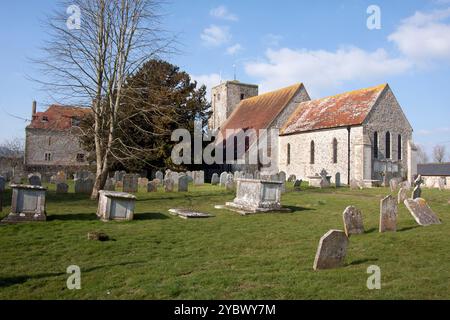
(263, 256)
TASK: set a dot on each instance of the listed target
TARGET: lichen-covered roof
(57, 117)
(345, 109)
(258, 112)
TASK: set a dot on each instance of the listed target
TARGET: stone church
(362, 135)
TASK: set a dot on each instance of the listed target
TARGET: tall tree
(439, 153)
(13, 150)
(158, 99)
(89, 58)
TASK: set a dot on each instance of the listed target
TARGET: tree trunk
(100, 180)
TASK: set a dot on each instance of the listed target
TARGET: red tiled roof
(258, 112)
(346, 109)
(57, 117)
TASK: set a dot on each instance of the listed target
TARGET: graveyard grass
(263, 256)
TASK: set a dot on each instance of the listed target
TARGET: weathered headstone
(229, 184)
(189, 214)
(331, 251)
(84, 186)
(297, 185)
(223, 178)
(199, 178)
(421, 212)
(393, 184)
(152, 186)
(388, 214)
(62, 188)
(61, 177)
(402, 195)
(27, 204)
(292, 178)
(34, 180)
(142, 182)
(2, 184)
(337, 179)
(215, 180)
(168, 185)
(353, 221)
(417, 192)
(130, 183)
(324, 183)
(159, 175)
(115, 206)
(183, 183)
(109, 185)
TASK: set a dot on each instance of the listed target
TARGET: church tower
(224, 99)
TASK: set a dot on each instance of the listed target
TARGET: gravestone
(116, 206)
(142, 182)
(152, 186)
(388, 214)
(406, 184)
(16, 180)
(393, 184)
(421, 212)
(331, 251)
(61, 177)
(337, 179)
(282, 178)
(417, 193)
(159, 175)
(2, 184)
(84, 186)
(168, 185)
(297, 185)
(229, 184)
(292, 178)
(157, 182)
(189, 214)
(109, 185)
(223, 178)
(27, 204)
(248, 175)
(62, 188)
(174, 176)
(215, 180)
(183, 183)
(130, 183)
(199, 178)
(353, 221)
(402, 195)
(324, 183)
(34, 180)
(257, 175)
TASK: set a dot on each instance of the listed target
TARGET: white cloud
(234, 49)
(424, 37)
(221, 12)
(216, 35)
(209, 80)
(428, 132)
(321, 69)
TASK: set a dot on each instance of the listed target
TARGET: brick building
(52, 140)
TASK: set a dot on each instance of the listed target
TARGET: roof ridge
(298, 84)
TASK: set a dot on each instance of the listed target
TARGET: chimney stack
(33, 110)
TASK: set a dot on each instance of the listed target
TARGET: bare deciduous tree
(14, 152)
(422, 156)
(88, 65)
(439, 153)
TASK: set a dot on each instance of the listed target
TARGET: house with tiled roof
(362, 135)
(52, 140)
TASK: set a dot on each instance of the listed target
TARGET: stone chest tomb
(116, 206)
(27, 204)
(256, 196)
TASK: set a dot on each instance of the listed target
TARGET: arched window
(399, 147)
(388, 145)
(312, 153)
(288, 153)
(335, 150)
(375, 145)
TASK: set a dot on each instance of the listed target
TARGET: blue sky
(324, 44)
